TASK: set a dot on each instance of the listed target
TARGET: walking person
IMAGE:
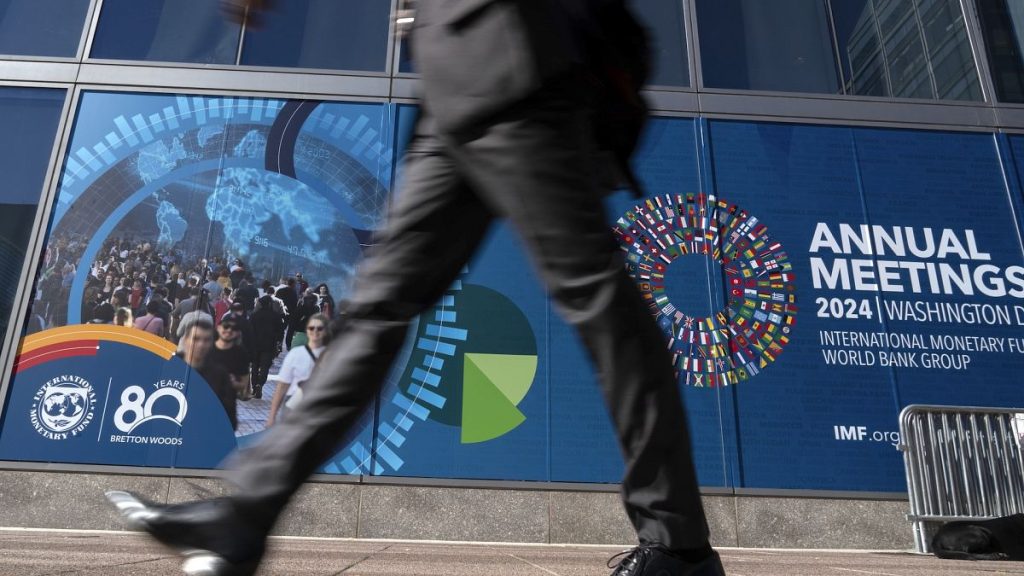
(267, 335)
(507, 132)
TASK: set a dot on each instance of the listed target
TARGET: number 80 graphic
(135, 403)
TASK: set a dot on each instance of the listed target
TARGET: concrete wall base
(71, 500)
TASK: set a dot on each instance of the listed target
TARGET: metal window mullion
(979, 51)
(836, 55)
(34, 247)
(241, 37)
(693, 43)
(392, 52)
(925, 52)
(886, 71)
(87, 29)
(90, 38)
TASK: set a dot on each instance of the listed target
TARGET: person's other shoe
(648, 560)
(209, 534)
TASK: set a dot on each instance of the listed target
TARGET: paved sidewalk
(67, 553)
(252, 413)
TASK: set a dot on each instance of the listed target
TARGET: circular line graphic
(749, 333)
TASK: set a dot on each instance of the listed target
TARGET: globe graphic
(62, 409)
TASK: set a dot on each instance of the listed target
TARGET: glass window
(665, 23)
(782, 45)
(900, 48)
(28, 125)
(335, 34)
(664, 19)
(1002, 22)
(405, 63)
(165, 30)
(41, 27)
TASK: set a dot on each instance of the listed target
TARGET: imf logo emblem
(63, 407)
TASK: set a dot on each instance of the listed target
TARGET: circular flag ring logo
(750, 332)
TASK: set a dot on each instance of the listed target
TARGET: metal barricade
(961, 463)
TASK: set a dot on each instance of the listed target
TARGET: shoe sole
(205, 563)
(197, 562)
(133, 510)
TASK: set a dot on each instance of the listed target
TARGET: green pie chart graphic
(488, 373)
(493, 385)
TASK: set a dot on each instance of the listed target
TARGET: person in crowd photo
(222, 305)
(325, 301)
(267, 335)
(163, 307)
(286, 293)
(246, 294)
(201, 308)
(297, 366)
(229, 353)
(137, 297)
(123, 317)
(194, 348)
(152, 321)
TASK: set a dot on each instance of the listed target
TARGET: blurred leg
(537, 170)
(434, 226)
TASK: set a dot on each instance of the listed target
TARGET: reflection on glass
(782, 45)
(1002, 22)
(28, 125)
(41, 27)
(165, 30)
(898, 48)
(334, 34)
(405, 63)
(664, 19)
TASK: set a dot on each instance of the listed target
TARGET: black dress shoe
(648, 560)
(209, 534)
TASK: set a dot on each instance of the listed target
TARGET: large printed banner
(811, 281)
(173, 199)
(112, 395)
(864, 270)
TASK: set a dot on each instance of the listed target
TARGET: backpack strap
(310, 351)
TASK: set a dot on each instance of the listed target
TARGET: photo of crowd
(253, 340)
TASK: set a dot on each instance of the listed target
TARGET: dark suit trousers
(532, 166)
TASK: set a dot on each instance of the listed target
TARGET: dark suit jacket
(478, 57)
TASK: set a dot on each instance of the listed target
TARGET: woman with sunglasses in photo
(297, 367)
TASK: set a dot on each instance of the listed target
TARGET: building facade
(830, 232)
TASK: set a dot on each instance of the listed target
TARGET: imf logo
(63, 407)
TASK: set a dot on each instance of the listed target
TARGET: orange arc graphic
(98, 332)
